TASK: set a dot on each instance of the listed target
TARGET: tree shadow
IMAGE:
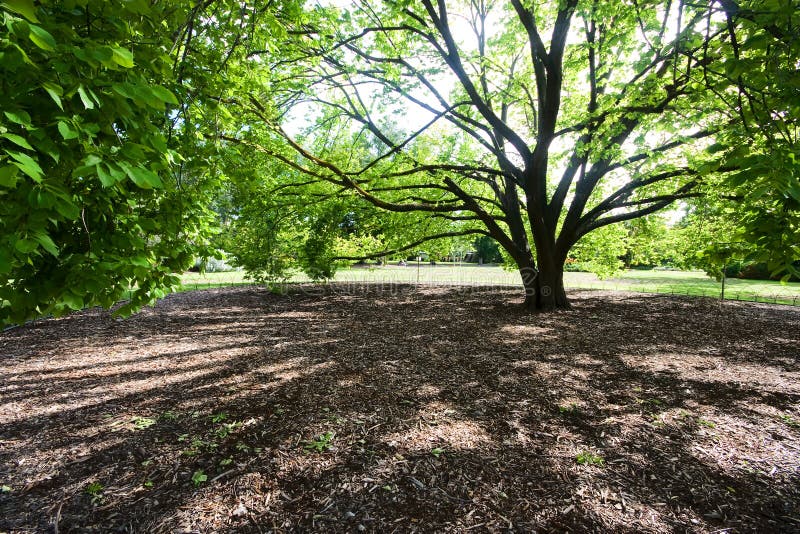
(444, 409)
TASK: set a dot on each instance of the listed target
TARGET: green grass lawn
(694, 283)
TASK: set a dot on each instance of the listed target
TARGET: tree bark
(544, 288)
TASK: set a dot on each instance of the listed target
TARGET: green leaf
(8, 176)
(72, 300)
(67, 209)
(23, 7)
(142, 177)
(42, 39)
(87, 102)
(66, 132)
(55, 92)
(92, 159)
(124, 89)
(164, 95)
(17, 140)
(19, 117)
(47, 243)
(26, 246)
(106, 178)
(28, 165)
(140, 261)
(122, 57)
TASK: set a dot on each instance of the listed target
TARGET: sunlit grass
(690, 283)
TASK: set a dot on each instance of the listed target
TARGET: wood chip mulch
(400, 409)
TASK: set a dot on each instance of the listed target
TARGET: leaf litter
(400, 409)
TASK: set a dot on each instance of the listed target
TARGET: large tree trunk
(545, 291)
(544, 288)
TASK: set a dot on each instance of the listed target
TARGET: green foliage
(125, 122)
(790, 421)
(142, 423)
(650, 243)
(219, 417)
(90, 206)
(600, 252)
(569, 409)
(198, 477)
(321, 443)
(589, 458)
(95, 491)
(488, 250)
(706, 423)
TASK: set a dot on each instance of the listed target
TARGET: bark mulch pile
(393, 409)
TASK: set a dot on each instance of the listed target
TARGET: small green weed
(321, 443)
(569, 409)
(5, 489)
(706, 423)
(148, 484)
(228, 429)
(437, 452)
(219, 417)
(226, 462)
(95, 491)
(198, 477)
(789, 420)
(169, 415)
(141, 423)
(589, 458)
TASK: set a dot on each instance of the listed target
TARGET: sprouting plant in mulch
(227, 429)
(95, 491)
(657, 420)
(141, 423)
(225, 462)
(169, 415)
(321, 443)
(148, 484)
(650, 402)
(198, 477)
(706, 423)
(589, 458)
(569, 409)
(218, 417)
(789, 420)
(5, 489)
(437, 451)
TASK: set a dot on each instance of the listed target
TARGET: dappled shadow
(447, 409)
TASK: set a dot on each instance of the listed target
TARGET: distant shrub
(212, 265)
(753, 271)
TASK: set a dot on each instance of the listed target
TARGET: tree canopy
(537, 123)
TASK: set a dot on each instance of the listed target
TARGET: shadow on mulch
(367, 408)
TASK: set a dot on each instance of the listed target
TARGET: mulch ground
(392, 409)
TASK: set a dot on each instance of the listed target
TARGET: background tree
(535, 123)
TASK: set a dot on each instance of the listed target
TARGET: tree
(105, 186)
(88, 207)
(532, 122)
